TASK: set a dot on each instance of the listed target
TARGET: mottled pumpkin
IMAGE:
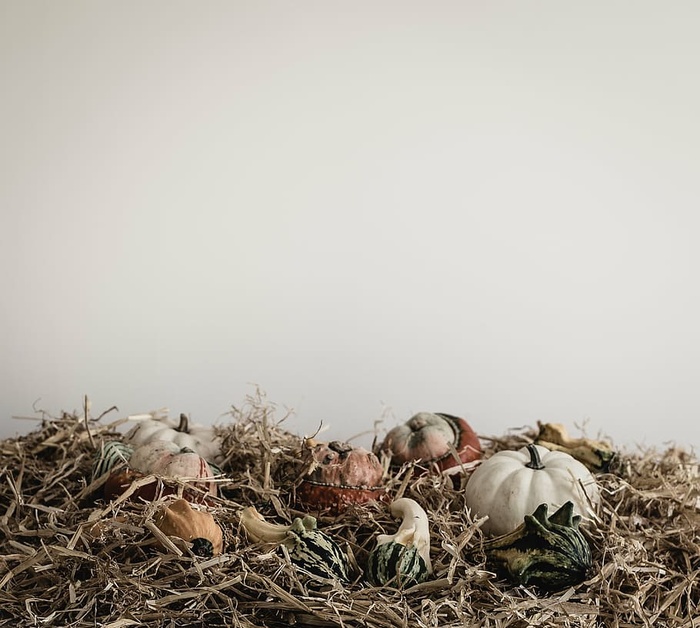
(336, 475)
(164, 460)
(434, 439)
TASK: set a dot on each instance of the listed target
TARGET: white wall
(488, 209)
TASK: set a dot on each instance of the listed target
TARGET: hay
(70, 559)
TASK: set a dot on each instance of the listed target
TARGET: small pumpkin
(336, 475)
(512, 484)
(165, 460)
(402, 559)
(434, 439)
(308, 547)
(198, 527)
(158, 426)
(597, 455)
(548, 552)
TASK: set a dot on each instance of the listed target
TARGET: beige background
(366, 208)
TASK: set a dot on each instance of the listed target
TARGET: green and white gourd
(112, 455)
(402, 559)
(308, 548)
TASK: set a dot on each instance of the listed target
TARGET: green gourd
(308, 548)
(402, 560)
(545, 551)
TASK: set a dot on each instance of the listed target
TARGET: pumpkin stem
(535, 460)
(184, 424)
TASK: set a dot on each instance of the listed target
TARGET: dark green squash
(316, 552)
(547, 552)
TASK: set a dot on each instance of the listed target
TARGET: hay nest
(68, 558)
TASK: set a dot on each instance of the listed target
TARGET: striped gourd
(396, 565)
(113, 454)
(307, 547)
(316, 552)
(403, 559)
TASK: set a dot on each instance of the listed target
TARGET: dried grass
(69, 559)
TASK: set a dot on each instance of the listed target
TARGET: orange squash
(198, 527)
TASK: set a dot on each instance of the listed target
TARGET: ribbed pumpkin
(158, 426)
(308, 547)
(166, 460)
(336, 475)
(198, 527)
(402, 559)
(512, 484)
(433, 439)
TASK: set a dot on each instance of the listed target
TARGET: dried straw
(67, 558)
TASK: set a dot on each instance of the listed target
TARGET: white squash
(158, 426)
(512, 484)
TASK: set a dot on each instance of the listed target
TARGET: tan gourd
(198, 527)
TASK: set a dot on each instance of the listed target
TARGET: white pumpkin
(512, 484)
(158, 426)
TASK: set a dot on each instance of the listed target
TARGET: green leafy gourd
(402, 559)
(547, 552)
(308, 548)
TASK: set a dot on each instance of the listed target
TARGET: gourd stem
(184, 424)
(535, 460)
